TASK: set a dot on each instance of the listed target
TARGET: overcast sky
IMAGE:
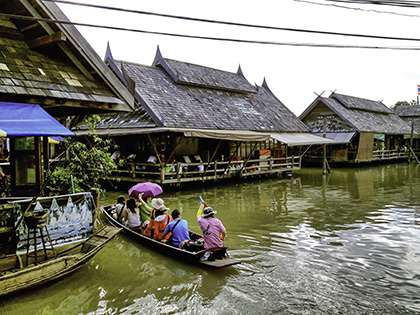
(292, 73)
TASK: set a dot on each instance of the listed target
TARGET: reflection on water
(348, 243)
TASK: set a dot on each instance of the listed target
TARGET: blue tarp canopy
(26, 120)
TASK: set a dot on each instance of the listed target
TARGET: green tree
(86, 164)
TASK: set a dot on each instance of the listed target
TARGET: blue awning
(26, 120)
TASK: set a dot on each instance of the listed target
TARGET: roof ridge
(360, 98)
(195, 64)
(135, 63)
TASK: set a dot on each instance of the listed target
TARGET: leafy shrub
(85, 165)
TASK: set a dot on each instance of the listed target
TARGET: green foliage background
(86, 163)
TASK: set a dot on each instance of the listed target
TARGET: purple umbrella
(148, 189)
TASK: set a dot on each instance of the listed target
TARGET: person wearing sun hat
(159, 219)
(213, 229)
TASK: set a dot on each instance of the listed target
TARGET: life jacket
(155, 228)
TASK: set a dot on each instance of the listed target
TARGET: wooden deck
(379, 156)
(385, 155)
(194, 172)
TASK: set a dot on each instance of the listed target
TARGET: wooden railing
(389, 155)
(186, 172)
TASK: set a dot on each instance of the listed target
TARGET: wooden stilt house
(411, 115)
(51, 65)
(363, 130)
(195, 123)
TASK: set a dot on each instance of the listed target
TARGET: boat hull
(177, 253)
(52, 269)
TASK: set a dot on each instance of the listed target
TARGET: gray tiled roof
(28, 72)
(367, 121)
(191, 74)
(134, 119)
(411, 115)
(352, 102)
(407, 111)
(190, 106)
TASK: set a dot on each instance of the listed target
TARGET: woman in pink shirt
(213, 230)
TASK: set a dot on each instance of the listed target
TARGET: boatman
(213, 230)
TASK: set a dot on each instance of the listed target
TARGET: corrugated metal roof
(300, 139)
(339, 137)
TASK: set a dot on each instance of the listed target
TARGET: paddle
(201, 200)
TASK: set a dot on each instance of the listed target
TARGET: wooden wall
(365, 148)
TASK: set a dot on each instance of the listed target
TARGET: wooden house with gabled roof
(199, 123)
(363, 130)
(411, 115)
(48, 64)
(52, 64)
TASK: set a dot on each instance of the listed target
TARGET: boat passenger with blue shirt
(176, 232)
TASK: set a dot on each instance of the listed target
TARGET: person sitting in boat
(176, 232)
(117, 212)
(131, 215)
(159, 219)
(213, 230)
(145, 209)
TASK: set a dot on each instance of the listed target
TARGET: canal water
(345, 244)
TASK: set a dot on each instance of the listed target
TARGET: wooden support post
(412, 136)
(178, 171)
(95, 196)
(235, 152)
(177, 144)
(301, 156)
(414, 155)
(325, 166)
(324, 159)
(47, 40)
(29, 27)
(38, 166)
(247, 159)
(46, 157)
(162, 166)
(211, 159)
(154, 148)
(162, 174)
(133, 169)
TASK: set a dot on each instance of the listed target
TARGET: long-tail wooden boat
(221, 257)
(15, 276)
